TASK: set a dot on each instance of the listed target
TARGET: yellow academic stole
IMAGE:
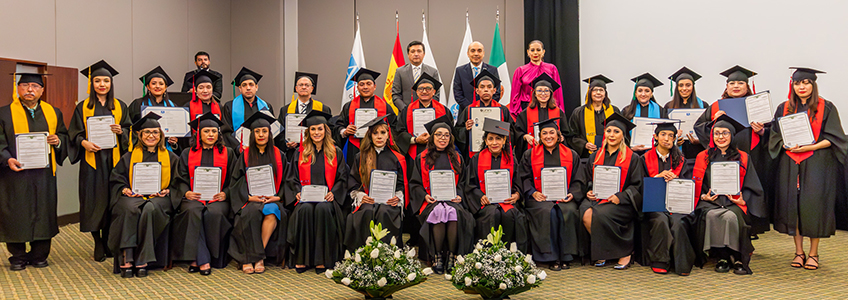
(293, 105)
(118, 113)
(163, 158)
(589, 121)
(21, 124)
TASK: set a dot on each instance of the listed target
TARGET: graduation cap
(31, 77)
(315, 117)
(647, 80)
(486, 75)
(204, 76)
(805, 73)
(495, 126)
(617, 120)
(312, 77)
(258, 119)
(375, 121)
(441, 122)
(157, 72)
(545, 80)
(684, 73)
(246, 74)
(737, 73)
(148, 121)
(426, 78)
(365, 74)
(549, 123)
(725, 121)
(666, 125)
(597, 80)
(100, 68)
(206, 120)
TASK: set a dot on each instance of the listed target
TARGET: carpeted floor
(74, 275)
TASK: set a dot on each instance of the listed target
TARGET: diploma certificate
(362, 116)
(207, 182)
(33, 151)
(313, 193)
(796, 130)
(382, 186)
(421, 116)
(606, 181)
(260, 181)
(554, 183)
(724, 178)
(478, 115)
(442, 185)
(147, 178)
(498, 185)
(98, 130)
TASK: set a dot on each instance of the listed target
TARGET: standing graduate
(305, 85)
(378, 152)
(443, 221)
(665, 236)
(424, 88)
(522, 90)
(611, 222)
(554, 223)
(202, 102)
(541, 108)
(244, 105)
(685, 97)
(587, 121)
(722, 221)
(805, 195)
(259, 228)
(138, 233)
(643, 104)
(490, 213)
(345, 126)
(98, 162)
(156, 83)
(29, 196)
(315, 227)
(486, 85)
(203, 221)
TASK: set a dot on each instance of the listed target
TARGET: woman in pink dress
(522, 90)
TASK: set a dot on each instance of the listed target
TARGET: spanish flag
(395, 62)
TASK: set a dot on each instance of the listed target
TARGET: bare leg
(798, 261)
(268, 226)
(587, 220)
(624, 260)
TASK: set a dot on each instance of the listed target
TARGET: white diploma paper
(207, 182)
(260, 181)
(33, 151)
(606, 181)
(478, 115)
(758, 107)
(643, 134)
(174, 120)
(313, 193)
(498, 185)
(294, 132)
(724, 178)
(442, 185)
(796, 130)
(688, 116)
(680, 196)
(362, 116)
(554, 183)
(420, 117)
(99, 131)
(147, 178)
(382, 185)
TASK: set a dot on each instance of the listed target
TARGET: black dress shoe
(40, 264)
(126, 273)
(17, 266)
(141, 272)
(301, 270)
(739, 269)
(320, 271)
(193, 269)
(206, 272)
(722, 266)
(556, 266)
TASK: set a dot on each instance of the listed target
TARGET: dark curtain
(555, 23)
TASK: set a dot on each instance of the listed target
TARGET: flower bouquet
(377, 270)
(495, 272)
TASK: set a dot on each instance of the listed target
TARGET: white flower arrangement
(495, 270)
(379, 269)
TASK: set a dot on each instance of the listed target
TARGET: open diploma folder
(174, 120)
(754, 108)
(676, 196)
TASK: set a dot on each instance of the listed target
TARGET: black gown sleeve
(416, 186)
(403, 135)
(76, 134)
(575, 124)
(182, 182)
(525, 174)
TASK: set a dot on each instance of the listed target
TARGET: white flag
(461, 60)
(430, 60)
(357, 61)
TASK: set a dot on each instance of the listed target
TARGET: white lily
(529, 258)
(518, 268)
(347, 255)
(498, 257)
(448, 276)
(478, 265)
(531, 279)
(393, 241)
(467, 281)
(543, 275)
(460, 260)
(346, 281)
(427, 271)
(411, 253)
(397, 254)
(358, 258)
(382, 282)
(375, 253)
(502, 286)
(369, 240)
(411, 276)
(328, 273)
(513, 247)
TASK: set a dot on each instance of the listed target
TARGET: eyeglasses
(721, 134)
(33, 85)
(543, 91)
(304, 85)
(150, 132)
(425, 89)
(441, 136)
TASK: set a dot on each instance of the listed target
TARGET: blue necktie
(476, 71)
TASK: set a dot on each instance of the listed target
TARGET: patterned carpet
(74, 275)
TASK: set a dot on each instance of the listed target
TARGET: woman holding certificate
(378, 185)
(436, 201)
(685, 98)
(99, 131)
(141, 200)
(644, 105)
(540, 109)
(547, 175)
(203, 219)
(808, 156)
(318, 185)
(256, 198)
(156, 83)
(587, 121)
(613, 181)
(729, 192)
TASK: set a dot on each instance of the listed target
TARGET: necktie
(303, 108)
(476, 71)
(31, 112)
(416, 71)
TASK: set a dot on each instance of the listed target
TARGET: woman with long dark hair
(643, 104)
(522, 88)
(541, 108)
(156, 83)
(685, 97)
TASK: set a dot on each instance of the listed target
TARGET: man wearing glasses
(412, 135)
(305, 85)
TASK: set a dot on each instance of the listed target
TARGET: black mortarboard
(375, 121)
(737, 73)
(246, 74)
(315, 117)
(684, 73)
(543, 79)
(647, 80)
(617, 120)
(258, 119)
(597, 80)
(100, 68)
(312, 77)
(805, 73)
(549, 123)
(148, 121)
(365, 74)
(441, 122)
(31, 77)
(204, 76)
(206, 120)
(426, 78)
(666, 125)
(486, 75)
(725, 121)
(496, 127)
(157, 72)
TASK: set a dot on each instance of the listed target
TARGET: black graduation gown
(490, 216)
(134, 110)
(810, 209)
(463, 136)
(225, 130)
(464, 219)
(281, 117)
(613, 226)
(765, 167)
(578, 128)
(521, 129)
(357, 223)
(249, 109)
(546, 247)
(28, 198)
(94, 203)
(403, 134)
(192, 216)
(246, 239)
(343, 119)
(315, 228)
(137, 224)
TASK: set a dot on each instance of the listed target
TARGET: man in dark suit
(201, 60)
(407, 75)
(463, 86)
